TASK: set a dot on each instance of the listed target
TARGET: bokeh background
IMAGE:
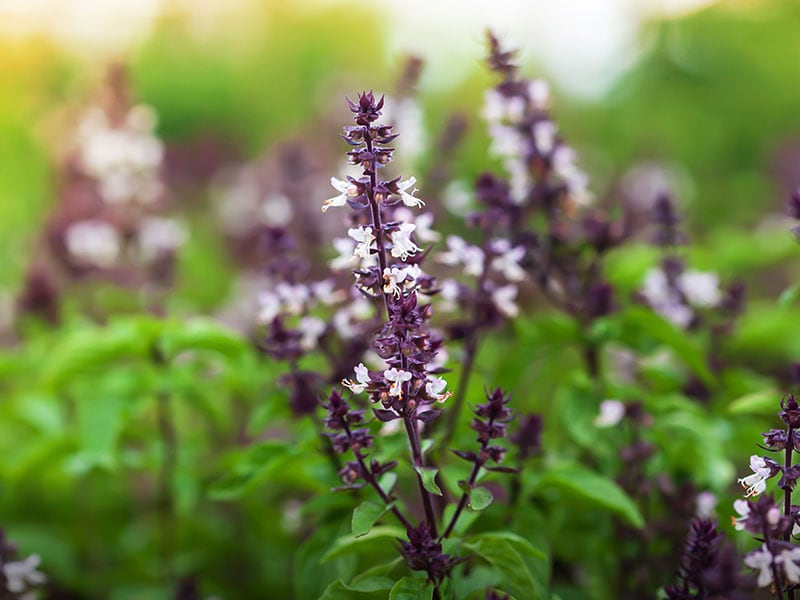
(701, 90)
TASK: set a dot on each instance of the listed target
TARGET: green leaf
(90, 349)
(374, 540)
(365, 515)
(99, 425)
(387, 482)
(412, 588)
(640, 323)
(759, 403)
(577, 481)
(428, 477)
(202, 334)
(789, 295)
(339, 590)
(512, 556)
(480, 498)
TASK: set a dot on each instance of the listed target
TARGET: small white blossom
(701, 289)
(276, 210)
(346, 189)
(743, 508)
(611, 413)
(269, 307)
(361, 382)
(396, 377)
(503, 298)
(325, 291)
(311, 328)
(664, 300)
(756, 483)
(94, 242)
(408, 198)
(435, 389)
(519, 180)
(539, 94)
(788, 559)
(293, 296)
(22, 573)
(449, 292)
(762, 560)
(499, 107)
(424, 232)
(395, 276)
(508, 262)
(402, 246)
(158, 236)
(705, 502)
(364, 240)
(459, 252)
(544, 136)
(345, 248)
(507, 142)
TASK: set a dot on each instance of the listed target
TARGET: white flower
(706, 502)
(457, 197)
(506, 141)
(293, 296)
(664, 300)
(311, 328)
(347, 189)
(701, 289)
(790, 567)
(408, 198)
(519, 180)
(346, 321)
(611, 413)
(276, 210)
(459, 252)
(158, 236)
(325, 291)
(761, 560)
(402, 246)
(396, 377)
(345, 247)
(508, 263)
(94, 242)
(364, 238)
(22, 573)
(743, 508)
(394, 276)
(435, 389)
(544, 136)
(499, 107)
(361, 382)
(269, 307)
(539, 94)
(577, 182)
(424, 232)
(449, 292)
(503, 298)
(756, 483)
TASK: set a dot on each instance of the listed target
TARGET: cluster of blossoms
(110, 221)
(778, 559)
(685, 296)
(387, 263)
(19, 579)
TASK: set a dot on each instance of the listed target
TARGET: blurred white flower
(544, 136)
(503, 298)
(611, 413)
(94, 242)
(21, 574)
(311, 328)
(160, 235)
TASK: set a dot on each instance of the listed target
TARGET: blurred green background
(710, 94)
